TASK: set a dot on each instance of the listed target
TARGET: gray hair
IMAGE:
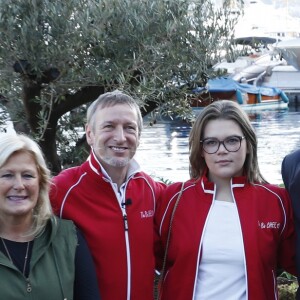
(110, 99)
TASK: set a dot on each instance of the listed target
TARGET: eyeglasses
(231, 144)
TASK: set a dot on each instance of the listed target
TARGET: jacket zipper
(125, 221)
(29, 288)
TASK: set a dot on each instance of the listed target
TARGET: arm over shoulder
(86, 285)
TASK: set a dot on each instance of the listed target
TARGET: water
(163, 151)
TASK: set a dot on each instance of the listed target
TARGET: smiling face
(19, 186)
(224, 164)
(113, 135)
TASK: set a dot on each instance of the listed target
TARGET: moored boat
(290, 50)
(248, 96)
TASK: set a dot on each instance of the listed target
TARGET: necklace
(26, 255)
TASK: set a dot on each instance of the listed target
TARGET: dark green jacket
(52, 266)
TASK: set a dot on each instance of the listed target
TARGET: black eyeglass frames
(231, 144)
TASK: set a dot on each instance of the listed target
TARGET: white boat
(268, 19)
(286, 78)
(259, 67)
(279, 68)
(275, 59)
(290, 51)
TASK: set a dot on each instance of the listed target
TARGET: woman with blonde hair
(41, 256)
(225, 232)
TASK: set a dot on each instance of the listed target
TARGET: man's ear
(89, 134)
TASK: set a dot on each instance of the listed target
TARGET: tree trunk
(48, 145)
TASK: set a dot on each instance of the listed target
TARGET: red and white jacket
(120, 238)
(267, 232)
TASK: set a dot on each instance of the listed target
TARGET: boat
(286, 78)
(259, 67)
(279, 67)
(267, 20)
(251, 98)
(290, 51)
(274, 56)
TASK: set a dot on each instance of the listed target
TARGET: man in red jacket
(112, 201)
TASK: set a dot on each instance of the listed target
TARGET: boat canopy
(226, 84)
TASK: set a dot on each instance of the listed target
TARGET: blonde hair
(11, 143)
(227, 110)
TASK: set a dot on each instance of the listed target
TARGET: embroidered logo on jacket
(271, 225)
(147, 214)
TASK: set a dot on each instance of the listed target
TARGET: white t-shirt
(221, 273)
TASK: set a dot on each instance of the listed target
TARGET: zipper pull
(125, 222)
(29, 288)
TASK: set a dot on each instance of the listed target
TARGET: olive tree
(58, 56)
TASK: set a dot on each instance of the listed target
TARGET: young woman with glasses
(231, 231)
